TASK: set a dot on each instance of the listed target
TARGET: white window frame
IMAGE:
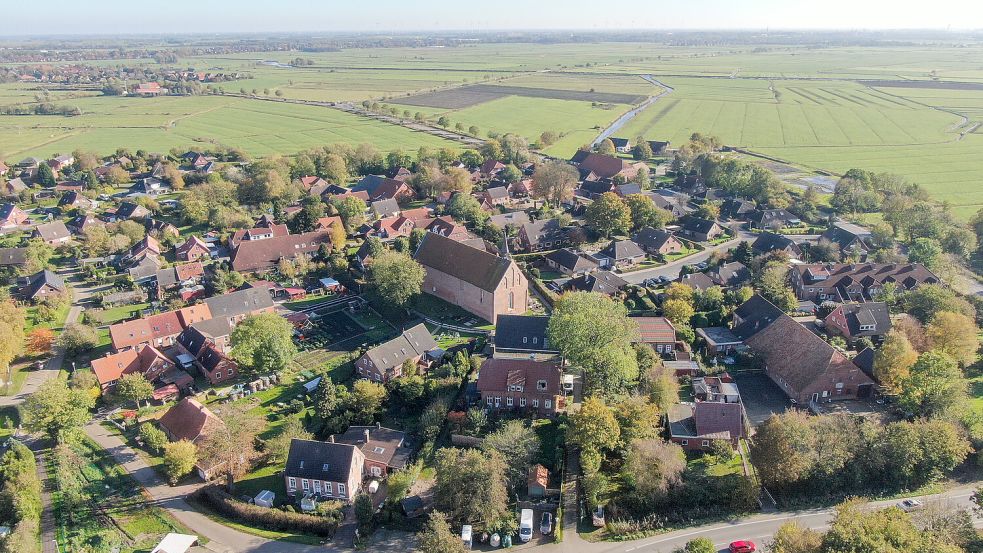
(341, 490)
(548, 404)
(317, 486)
(522, 402)
(292, 483)
(327, 489)
(705, 443)
(683, 442)
(305, 484)
(535, 403)
(508, 401)
(374, 470)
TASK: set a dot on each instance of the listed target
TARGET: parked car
(546, 524)
(525, 525)
(742, 546)
(908, 505)
(598, 517)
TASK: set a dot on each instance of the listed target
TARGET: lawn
(122, 312)
(677, 256)
(448, 313)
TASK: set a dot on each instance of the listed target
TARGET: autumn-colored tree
(40, 340)
(893, 360)
(954, 334)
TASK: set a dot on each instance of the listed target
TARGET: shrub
(153, 437)
(224, 504)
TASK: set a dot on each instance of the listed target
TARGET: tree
(45, 176)
(855, 528)
(40, 340)
(594, 332)
(465, 207)
(335, 169)
(437, 536)
(652, 468)
(482, 475)
(180, 458)
(641, 151)
(511, 174)
(263, 343)
(278, 446)
(117, 175)
(608, 214)
(893, 360)
(306, 219)
(352, 212)
(364, 509)
(56, 409)
(232, 445)
(934, 386)
(793, 538)
(78, 338)
(954, 334)
(153, 437)
(774, 287)
(700, 545)
(928, 299)
(644, 212)
(926, 251)
(12, 323)
(516, 444)
(366, 401)
(37, 256)
(396, 277)
(594, 427)
(960, 242)
(782, 449)
(606, 147)
(134, 387)
(678, 311)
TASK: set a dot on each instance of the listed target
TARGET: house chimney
(366, 435)
(331, 438)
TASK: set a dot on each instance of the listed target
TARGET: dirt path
(630, 114)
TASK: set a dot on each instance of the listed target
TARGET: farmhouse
(601, 167)
(264, 230)
(382, 188)
(480, 282)
(328, 469)
(385, 361)
(251, 256)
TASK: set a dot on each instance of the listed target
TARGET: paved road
(671, 270)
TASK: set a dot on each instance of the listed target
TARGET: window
(522, 402)
(535, 340)
(548, 403)
(541, 385)
(668, 348)
(317, 486)
(218, 374)
(508, 401)
(705, 443)
(839, 385)
(511, 300)
(658, 348)
(292, 483)
(341, 490)
(489, 399)
(325, 467)
(498, 402)
(305, 484)
(376, 471)
(524, 339)
(825, 393)
(327, 489)
(683, 442)
(535, 403)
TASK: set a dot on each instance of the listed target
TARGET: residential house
(128, 211)
(491, 168)
(12, 216)
(592, 189)
(658, 242)
(620, 254)
(851, 239)
(203, 351)
(521, 385)
(773, 219)
(512, 218)
(143, 269)
(602, 281)
(236, 306)
(494, 196)
(844, 282)
(730, 275)
(659, 147)
(445, 225)
(545, 234)
(384, 449)
(522, 337)
(54, 233)
(385, 361)
(328, 469)
(570, 262)
(701, 230)
(697, 281)
(482, 283)
(13, 257)
(393, 227)
(42, 285)
(148, 246)
(768, 242)
(673, 202)
(184, 274)
(193, 249)
(150, 186)
(627, 189)
(853, 321)
(325, 223)
(59, 163)
(716, 413)
(314, 184)
(621, 145)
(251, 256)
(265, 230)
(658, 333)
(192, 421)
(160, 229)
(148, 89)
(159, 330)
(382, 209)
(737, 208)
(382, 188)
(13, 187)
(801, 363)
(149, 362)
(80, 223)
(74, 200)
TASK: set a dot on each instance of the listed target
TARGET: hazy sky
(175, 16)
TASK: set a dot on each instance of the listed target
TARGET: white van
(466, 536)
(525, 525)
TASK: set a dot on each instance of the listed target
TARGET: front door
(815, 397)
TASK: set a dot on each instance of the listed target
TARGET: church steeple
(504, 250)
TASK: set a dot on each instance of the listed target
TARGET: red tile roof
(655, 330)
(189, 420)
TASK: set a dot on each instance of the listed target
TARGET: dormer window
(541, 385)
(301, 464)
(325, 467)
(379, 450)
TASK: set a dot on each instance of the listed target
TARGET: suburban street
(671, 270)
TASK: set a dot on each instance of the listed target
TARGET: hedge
(224, 504)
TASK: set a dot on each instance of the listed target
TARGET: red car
(742, 546)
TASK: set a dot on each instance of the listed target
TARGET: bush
(153, 437)
(224, 504)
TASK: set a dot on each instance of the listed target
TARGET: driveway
(762, 398)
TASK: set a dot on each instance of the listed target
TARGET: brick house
(657, 241)
(859, 320)
(190, 420)
(482, 283)
(149, 362)
(383, 448)
(54, 233)
(331, 470)
(768, 242)
(385, 361)
(251, 256)
(42, 285)
(206, 343)
(701, 230)
(192, 249)
(716, 413)
(521, 385)
(621, 254)
(12, 216)
(240, 304)
(658, 333)
(545, 234)
(570, 263)
(158, 330)
(845, 282)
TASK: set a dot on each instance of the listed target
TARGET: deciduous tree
(608, 214)
(437, 536)
(954, 334)
(482, 476)
(934, 386)
(516, 444)
(263, 343)
(893, 360)
(232, 445)
(134, 387)
(180, 458)
(396, 277)
(56, 409)
(554, 182)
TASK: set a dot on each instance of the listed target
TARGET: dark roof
(602, 282)
(768, 217)
(697, 281)
(846, 234)
(536, 230)
(384, 445)
(320, 460)
(571, 260)
(385, 208)
(696, 224)
(837, 275)
(754, 315)
(579, 156)
(13, 256)
(734, 207)
(597, 187)
(658, 145)
(629, 188)
(622, 249)
(474, 266)
(619, 142)
(868, 313)
(652, 238)
(240, 302)
(522, 332)
(411, 343)
(865, 360)
(768, 242)
(731, 274)
(44, 278)
(127, 210)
